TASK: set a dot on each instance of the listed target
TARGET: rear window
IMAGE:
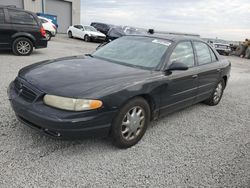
(43, 20)
(1, 16)
(21, 17)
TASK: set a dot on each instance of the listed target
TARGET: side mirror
(177, 66)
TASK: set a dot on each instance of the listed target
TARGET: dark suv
(20, 31)
(102, 27)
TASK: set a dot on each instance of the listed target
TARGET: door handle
(195, 76)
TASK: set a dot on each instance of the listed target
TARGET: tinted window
(78, 26)
(21, 17)
(214, 58)
(183, 53)
(89, 28)
(203, 53)
(1, 16)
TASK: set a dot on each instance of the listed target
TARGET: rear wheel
(70, 34)
(22, 46)
(216, 96)
(48, 35)
(131, 123)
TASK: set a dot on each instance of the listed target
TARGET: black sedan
(120, 88)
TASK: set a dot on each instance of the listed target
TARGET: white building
(67, 11)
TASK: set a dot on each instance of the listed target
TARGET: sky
(225, 19)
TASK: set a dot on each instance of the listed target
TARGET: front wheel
(48, 35)
(131, 123)
(70, 35)
(86, 38)
(216, 96)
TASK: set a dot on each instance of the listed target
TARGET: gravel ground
(198, 146)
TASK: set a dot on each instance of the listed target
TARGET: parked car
(88, 33)
(120, 88)
(102, 27)
(119, 31)
(49, 27)
(222, 47)
(20, 31)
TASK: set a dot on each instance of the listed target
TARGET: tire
(48, 35)
(131, 123)
(217, 94)
(86, 38)
(22, 46)
(70, 34)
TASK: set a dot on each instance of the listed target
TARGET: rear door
(208, 67)
(5, 30)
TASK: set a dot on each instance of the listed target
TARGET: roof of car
(174, 38)
(13, 7)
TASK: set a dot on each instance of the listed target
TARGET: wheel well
(151, 103)
(225, 80)
(33, 43)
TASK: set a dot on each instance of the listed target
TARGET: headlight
(71, 104)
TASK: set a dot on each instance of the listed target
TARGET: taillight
(43, 32)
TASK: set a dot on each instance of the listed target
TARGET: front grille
(24, 91)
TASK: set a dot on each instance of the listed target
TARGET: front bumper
(60, 123)
(97, 38)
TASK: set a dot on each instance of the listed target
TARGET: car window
(1, 16)
(203, 53)
(213, 56)
(142, 52)
(183, 53)
(89, 28)
(21, 17)
(43, 20)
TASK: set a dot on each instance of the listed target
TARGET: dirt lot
(198, 146)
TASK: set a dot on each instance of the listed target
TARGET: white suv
(49, 27)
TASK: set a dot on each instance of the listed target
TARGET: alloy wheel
(218, 92)
(23, 47)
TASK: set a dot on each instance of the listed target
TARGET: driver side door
(180, 86)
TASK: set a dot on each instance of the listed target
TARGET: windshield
(136, 51)
(89, 28)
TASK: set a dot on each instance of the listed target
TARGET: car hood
(81, 76)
